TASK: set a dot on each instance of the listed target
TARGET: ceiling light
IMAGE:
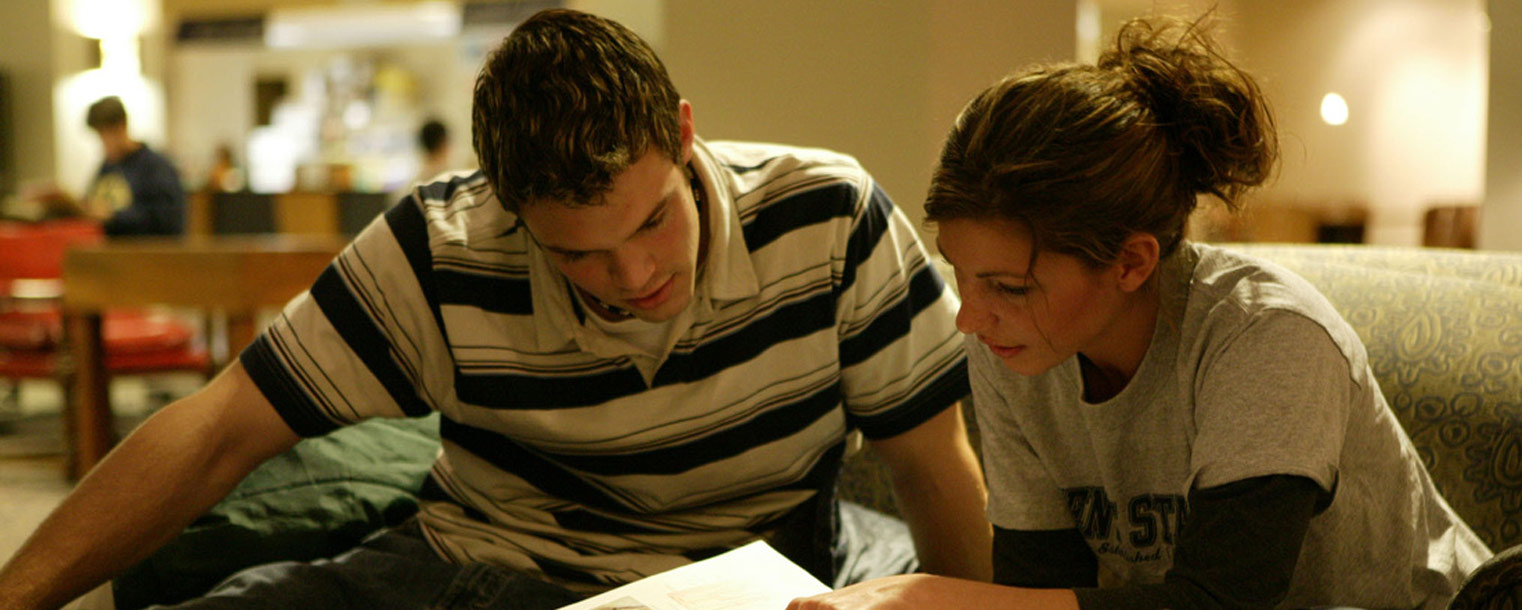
(1334, 109)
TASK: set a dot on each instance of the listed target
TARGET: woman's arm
(1238, 549)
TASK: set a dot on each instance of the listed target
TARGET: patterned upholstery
(1444, 333)
(1496, 585)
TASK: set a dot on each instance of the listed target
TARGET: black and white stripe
(820, 313)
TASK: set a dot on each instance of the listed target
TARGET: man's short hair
(567, 102)
(106, 112)
(432, 135)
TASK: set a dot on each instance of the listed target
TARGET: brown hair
(106, 112)
(565, 103)
(1084, 156)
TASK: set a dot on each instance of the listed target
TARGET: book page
(754, 576)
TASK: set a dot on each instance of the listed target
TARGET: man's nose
(630, 267)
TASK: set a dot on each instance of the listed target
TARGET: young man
(137, 191)
(644, 349)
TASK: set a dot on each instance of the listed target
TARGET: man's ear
(1136, 261)
(684, 117)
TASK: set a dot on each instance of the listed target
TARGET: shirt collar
(728, 273)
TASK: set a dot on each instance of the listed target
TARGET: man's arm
(173, 468)
(939, 488)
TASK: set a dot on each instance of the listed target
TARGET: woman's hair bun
(1213, 114)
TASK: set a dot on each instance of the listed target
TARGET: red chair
(31, 325)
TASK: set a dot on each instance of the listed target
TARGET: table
(236, 275)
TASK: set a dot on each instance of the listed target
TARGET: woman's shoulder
(1231, 292)
(1253, 285)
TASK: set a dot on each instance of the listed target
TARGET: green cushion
(316, 500)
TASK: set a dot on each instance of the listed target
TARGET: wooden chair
(1450, 226)
(31, 321)
(242, 213)
(356, 210)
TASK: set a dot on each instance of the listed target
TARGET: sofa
(1443, 330)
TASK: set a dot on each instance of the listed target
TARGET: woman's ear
(1136, 261)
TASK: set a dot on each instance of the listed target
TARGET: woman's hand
(890, 593)
(917, 591)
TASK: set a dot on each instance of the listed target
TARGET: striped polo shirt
(816, 312)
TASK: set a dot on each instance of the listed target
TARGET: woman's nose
(972, 317)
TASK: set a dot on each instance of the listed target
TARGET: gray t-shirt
(1250, 372)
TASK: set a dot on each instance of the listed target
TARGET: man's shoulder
(765, 159)
(761, 175)
(460, 210)
(143, 157)
(755, 153)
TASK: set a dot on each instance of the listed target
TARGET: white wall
(26, 57)
(881, 80)
(1501, 217)
(1414, 76)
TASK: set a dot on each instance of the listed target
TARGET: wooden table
(236, 275)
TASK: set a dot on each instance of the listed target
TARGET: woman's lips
(1004, 351)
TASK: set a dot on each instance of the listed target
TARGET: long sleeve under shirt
(1237, 550)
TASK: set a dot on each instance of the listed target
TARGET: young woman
(1164, 424)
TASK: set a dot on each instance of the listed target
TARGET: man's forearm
(940, 491)
(142, 495)
(945, 513)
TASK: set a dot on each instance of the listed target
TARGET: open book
(752, 576)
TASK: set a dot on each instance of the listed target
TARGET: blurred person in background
(433, 139)
(224, 175)
(136, 191)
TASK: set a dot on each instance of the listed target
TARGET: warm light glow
(1334, 109)
(106, 19)
(120, 56)
(1088, 31)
